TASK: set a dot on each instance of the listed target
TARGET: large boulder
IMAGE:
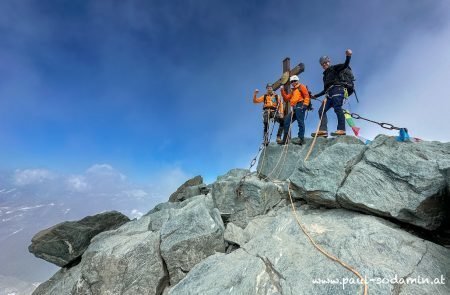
(192, 187)
(319, 178)
(189, 235)
(279, 258)
(124, 263)
(402, 180)
(256, 196)
(126, 260)
(65, 242)
(406, 181)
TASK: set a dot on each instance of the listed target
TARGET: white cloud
(105, 170)
(32, 176)
(98, 182)
(136, 193)
(136, 214)
(167, 181)
(77, 183)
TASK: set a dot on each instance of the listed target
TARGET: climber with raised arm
(272, 109)
(335, 90)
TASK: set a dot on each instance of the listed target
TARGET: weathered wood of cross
(300, 68)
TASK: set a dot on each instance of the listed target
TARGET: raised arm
(257, 99)
(348, 56)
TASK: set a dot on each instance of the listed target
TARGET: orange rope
(303, 228)
(317, 131)
(334, 258)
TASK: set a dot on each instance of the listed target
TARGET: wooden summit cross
(300, 68)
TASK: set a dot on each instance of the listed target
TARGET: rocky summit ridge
(381, 208)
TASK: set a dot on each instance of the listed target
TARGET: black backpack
(310, 108)
(347, 79)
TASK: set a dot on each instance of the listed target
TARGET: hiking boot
(320, 134)
(338, 133)
(279, 140)
(283, 141)
(298, 141)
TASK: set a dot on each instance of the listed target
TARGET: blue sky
(163, 88)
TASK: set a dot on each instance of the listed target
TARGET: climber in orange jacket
(299, 100)
(272, 109)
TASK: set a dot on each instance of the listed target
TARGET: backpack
(309, 108)
(347, 79)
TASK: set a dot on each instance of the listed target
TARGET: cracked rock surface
(65, 242)
(402, 180)
(220, 242)
(257, 196)
(279, 259)
(144, 256)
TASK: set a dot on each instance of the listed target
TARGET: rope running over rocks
(302, 227)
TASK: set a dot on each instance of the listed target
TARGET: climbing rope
(321, 250)
(317, 130)
(303, 228)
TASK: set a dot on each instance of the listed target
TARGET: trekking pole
(356, 95)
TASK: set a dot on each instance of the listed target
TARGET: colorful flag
(349, 120)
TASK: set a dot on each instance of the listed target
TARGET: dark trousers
(299, 115)
(335, 100)
(272, 114)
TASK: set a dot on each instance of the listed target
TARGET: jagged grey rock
(319, 178)
(191, 234)
(188, 189)
(279, 259)
(124, 263)
(62, 282)
(181, 242)
(406, 181)
(257, 196)
(280, 162)
(65, 242)
(243, 275)
(235, 235)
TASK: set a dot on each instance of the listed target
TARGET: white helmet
(293, 78)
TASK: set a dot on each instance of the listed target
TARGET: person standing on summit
(272, 109)
(334, 88)
(299, 101)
